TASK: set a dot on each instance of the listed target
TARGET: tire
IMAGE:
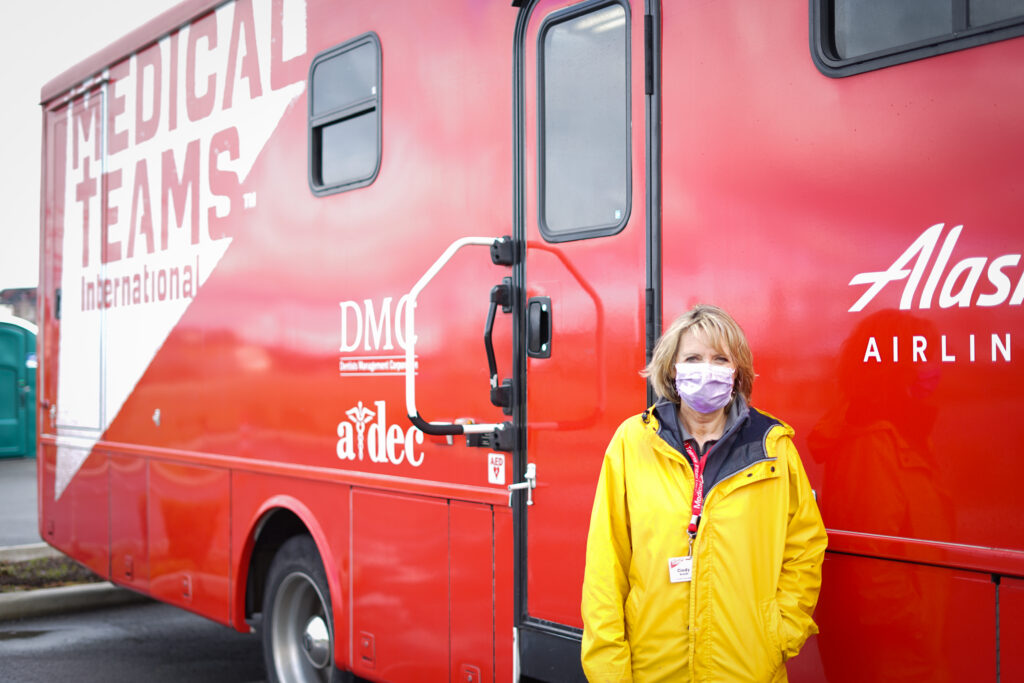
(298, 624)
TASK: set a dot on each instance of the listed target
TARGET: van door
(72, 311)
(582, 215)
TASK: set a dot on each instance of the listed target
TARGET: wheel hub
(316, 642)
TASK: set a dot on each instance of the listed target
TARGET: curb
(25, 553)
(64, 599)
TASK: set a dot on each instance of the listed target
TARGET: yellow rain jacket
(756, 568)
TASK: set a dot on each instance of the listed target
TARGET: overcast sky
(39, 40)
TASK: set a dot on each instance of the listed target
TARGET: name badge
(680, 569)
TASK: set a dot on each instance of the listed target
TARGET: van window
(583, 120)
(852, 36)
(865, 26)
(344, 116)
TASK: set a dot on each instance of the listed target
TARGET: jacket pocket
(771, 624)
(630, 612)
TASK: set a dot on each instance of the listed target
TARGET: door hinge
(503, 251)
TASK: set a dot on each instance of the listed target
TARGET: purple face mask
(703, 386)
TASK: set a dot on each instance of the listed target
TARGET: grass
(47, 572)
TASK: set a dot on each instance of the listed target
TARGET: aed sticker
(680, 569)
(496, 468)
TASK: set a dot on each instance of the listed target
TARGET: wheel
(298, 630)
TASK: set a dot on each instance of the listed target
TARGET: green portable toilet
(17, 387)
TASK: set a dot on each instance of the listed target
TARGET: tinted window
(344, 78)
(852, 36)
(990, 11)
(344, 116)
(584, 123)
(865, 26)
(348, 149)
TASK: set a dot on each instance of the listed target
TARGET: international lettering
(140, 286)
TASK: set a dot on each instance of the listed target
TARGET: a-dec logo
(367, 432)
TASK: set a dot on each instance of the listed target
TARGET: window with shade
(344, 116)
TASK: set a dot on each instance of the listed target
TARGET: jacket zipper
(692, 625)
(693, 632)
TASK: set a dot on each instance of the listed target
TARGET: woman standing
(705, 545)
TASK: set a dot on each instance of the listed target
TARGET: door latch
(52, 411)
(529, 484)
(538, 327)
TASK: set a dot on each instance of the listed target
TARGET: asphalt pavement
(148, 642)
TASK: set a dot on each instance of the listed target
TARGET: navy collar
(675, 433)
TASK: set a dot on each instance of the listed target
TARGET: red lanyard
(698, 487)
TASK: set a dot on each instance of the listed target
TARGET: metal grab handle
(501, 393)
(440, 428)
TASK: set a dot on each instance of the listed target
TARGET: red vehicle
(274, 231)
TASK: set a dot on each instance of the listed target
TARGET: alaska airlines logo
(367, 433)
(959, 286)
(927, 282)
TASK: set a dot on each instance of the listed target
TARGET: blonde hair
(717, 329)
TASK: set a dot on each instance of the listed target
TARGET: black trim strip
(653, 294)
(519, 519)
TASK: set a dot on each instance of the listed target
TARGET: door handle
(501, 393)
(538, 324)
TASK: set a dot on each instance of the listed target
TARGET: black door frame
(550, 651)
